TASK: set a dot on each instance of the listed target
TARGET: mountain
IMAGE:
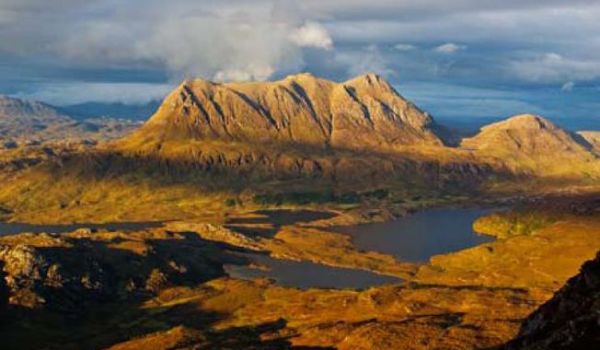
(20, 117)
(570, 320)
(593, 138)
(23, 121)
(530, 141)
(118, 110)
(364, 113)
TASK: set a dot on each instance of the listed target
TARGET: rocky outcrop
(63, 273)
(33, 274)
(570, 320)
(364, 113)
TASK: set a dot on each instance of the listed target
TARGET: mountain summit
(531, 141)
(525, 133)
(364, 113)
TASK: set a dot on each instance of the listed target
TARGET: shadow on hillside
(95, 296)
(269, 222)
(248, 168)
(73, 182)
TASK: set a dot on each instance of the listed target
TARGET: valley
(300, 213)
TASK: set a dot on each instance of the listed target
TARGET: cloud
(568, 86)
(63, 94)
(223, 44)
(404, 47)
(449, 48)
(555, 68)
(311, 34)
(484, 43)
(249, 72)
(366, 60)
(224, 40)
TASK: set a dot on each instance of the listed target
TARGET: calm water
(306, 274)
(14, 228)
(418, 237)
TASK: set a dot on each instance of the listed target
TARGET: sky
(461, 60)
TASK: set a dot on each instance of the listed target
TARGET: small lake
(419, 236)
(304, 274)
(9, 228)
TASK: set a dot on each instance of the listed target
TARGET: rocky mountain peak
(370, 80)
(361, 113)
(525, 121)
(532, 142)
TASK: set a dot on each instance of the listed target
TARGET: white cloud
(555, 68)
(251, 72)
(311, 34)
(449, 48)
(246, 44)
(237, 39)
(73, 93)
(404, 47)
(568, 86)
(368, 59)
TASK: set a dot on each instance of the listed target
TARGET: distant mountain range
(23, 121)
(303, 137)
(364, 114)
(357, 134)
(117, 110)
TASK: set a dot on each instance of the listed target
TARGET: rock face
(64, 272)
(33, 274)
(364, 113)
(570, 320)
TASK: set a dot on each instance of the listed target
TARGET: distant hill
(24, 121)
(113, 110)
(21, 117)
(533, 142)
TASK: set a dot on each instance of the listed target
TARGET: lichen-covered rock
(25, 270)
(63, 273)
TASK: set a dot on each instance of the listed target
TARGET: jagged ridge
(362, 113)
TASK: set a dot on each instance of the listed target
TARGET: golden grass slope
(533, 143)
